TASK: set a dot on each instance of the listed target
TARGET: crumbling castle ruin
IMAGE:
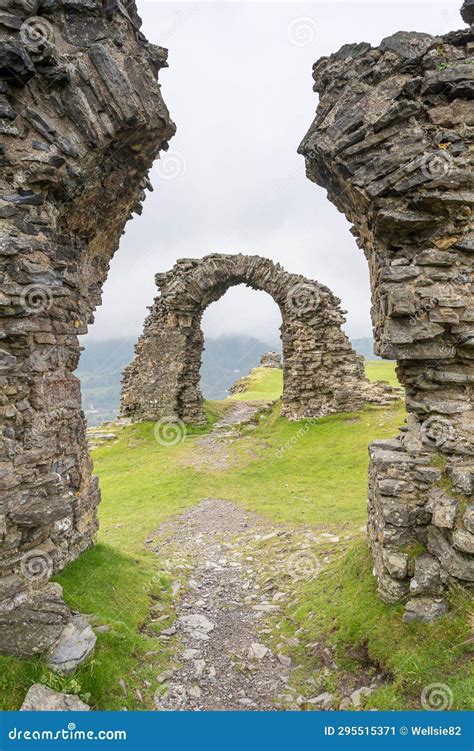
(82, 120)
(393, 144)
(321, 371)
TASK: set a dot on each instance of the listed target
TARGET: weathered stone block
(396, 564)
(390, 589)
(36, 623)
(462, 567)
(463, 480)
(426, 579)
(444, 515)
(43, 699)
(424, 609)
(463, 541)
(468, 518)
(75, 644)
(401, 303)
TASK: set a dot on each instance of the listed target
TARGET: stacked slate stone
(82, 120)
(392, 143)
(321, 372)
(271, 360)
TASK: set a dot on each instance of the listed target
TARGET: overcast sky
(239, 89)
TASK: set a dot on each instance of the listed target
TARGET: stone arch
(82, 121)
(321, 371)
(392, 143)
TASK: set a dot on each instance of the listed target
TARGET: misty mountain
(365, 347)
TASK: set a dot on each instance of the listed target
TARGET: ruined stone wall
(321, 371)
(82, 120)
(392, 144)
(271, 360)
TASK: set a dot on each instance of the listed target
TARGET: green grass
(263, 384)
(381, 370)
(366, 633)
(119, 590)
(313, 473)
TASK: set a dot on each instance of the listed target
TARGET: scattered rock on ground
(359, 695)
(43, 699)
(324, 700)
(75, 644)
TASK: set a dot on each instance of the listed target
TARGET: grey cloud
(241, 95)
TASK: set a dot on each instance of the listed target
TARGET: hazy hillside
(100, 372)
(365, 347)
(225, 360)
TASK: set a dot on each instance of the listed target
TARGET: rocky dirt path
(224, 665)
(240, 412)
(234, 576)
(213, 450)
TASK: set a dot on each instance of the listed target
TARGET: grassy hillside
(263, 384)
(308, 473)
(380, 370)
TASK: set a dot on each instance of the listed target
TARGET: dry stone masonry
(392, 143)
(82, 119)
(321, 371)
(271, 360)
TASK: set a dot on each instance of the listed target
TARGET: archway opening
(238, 329)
